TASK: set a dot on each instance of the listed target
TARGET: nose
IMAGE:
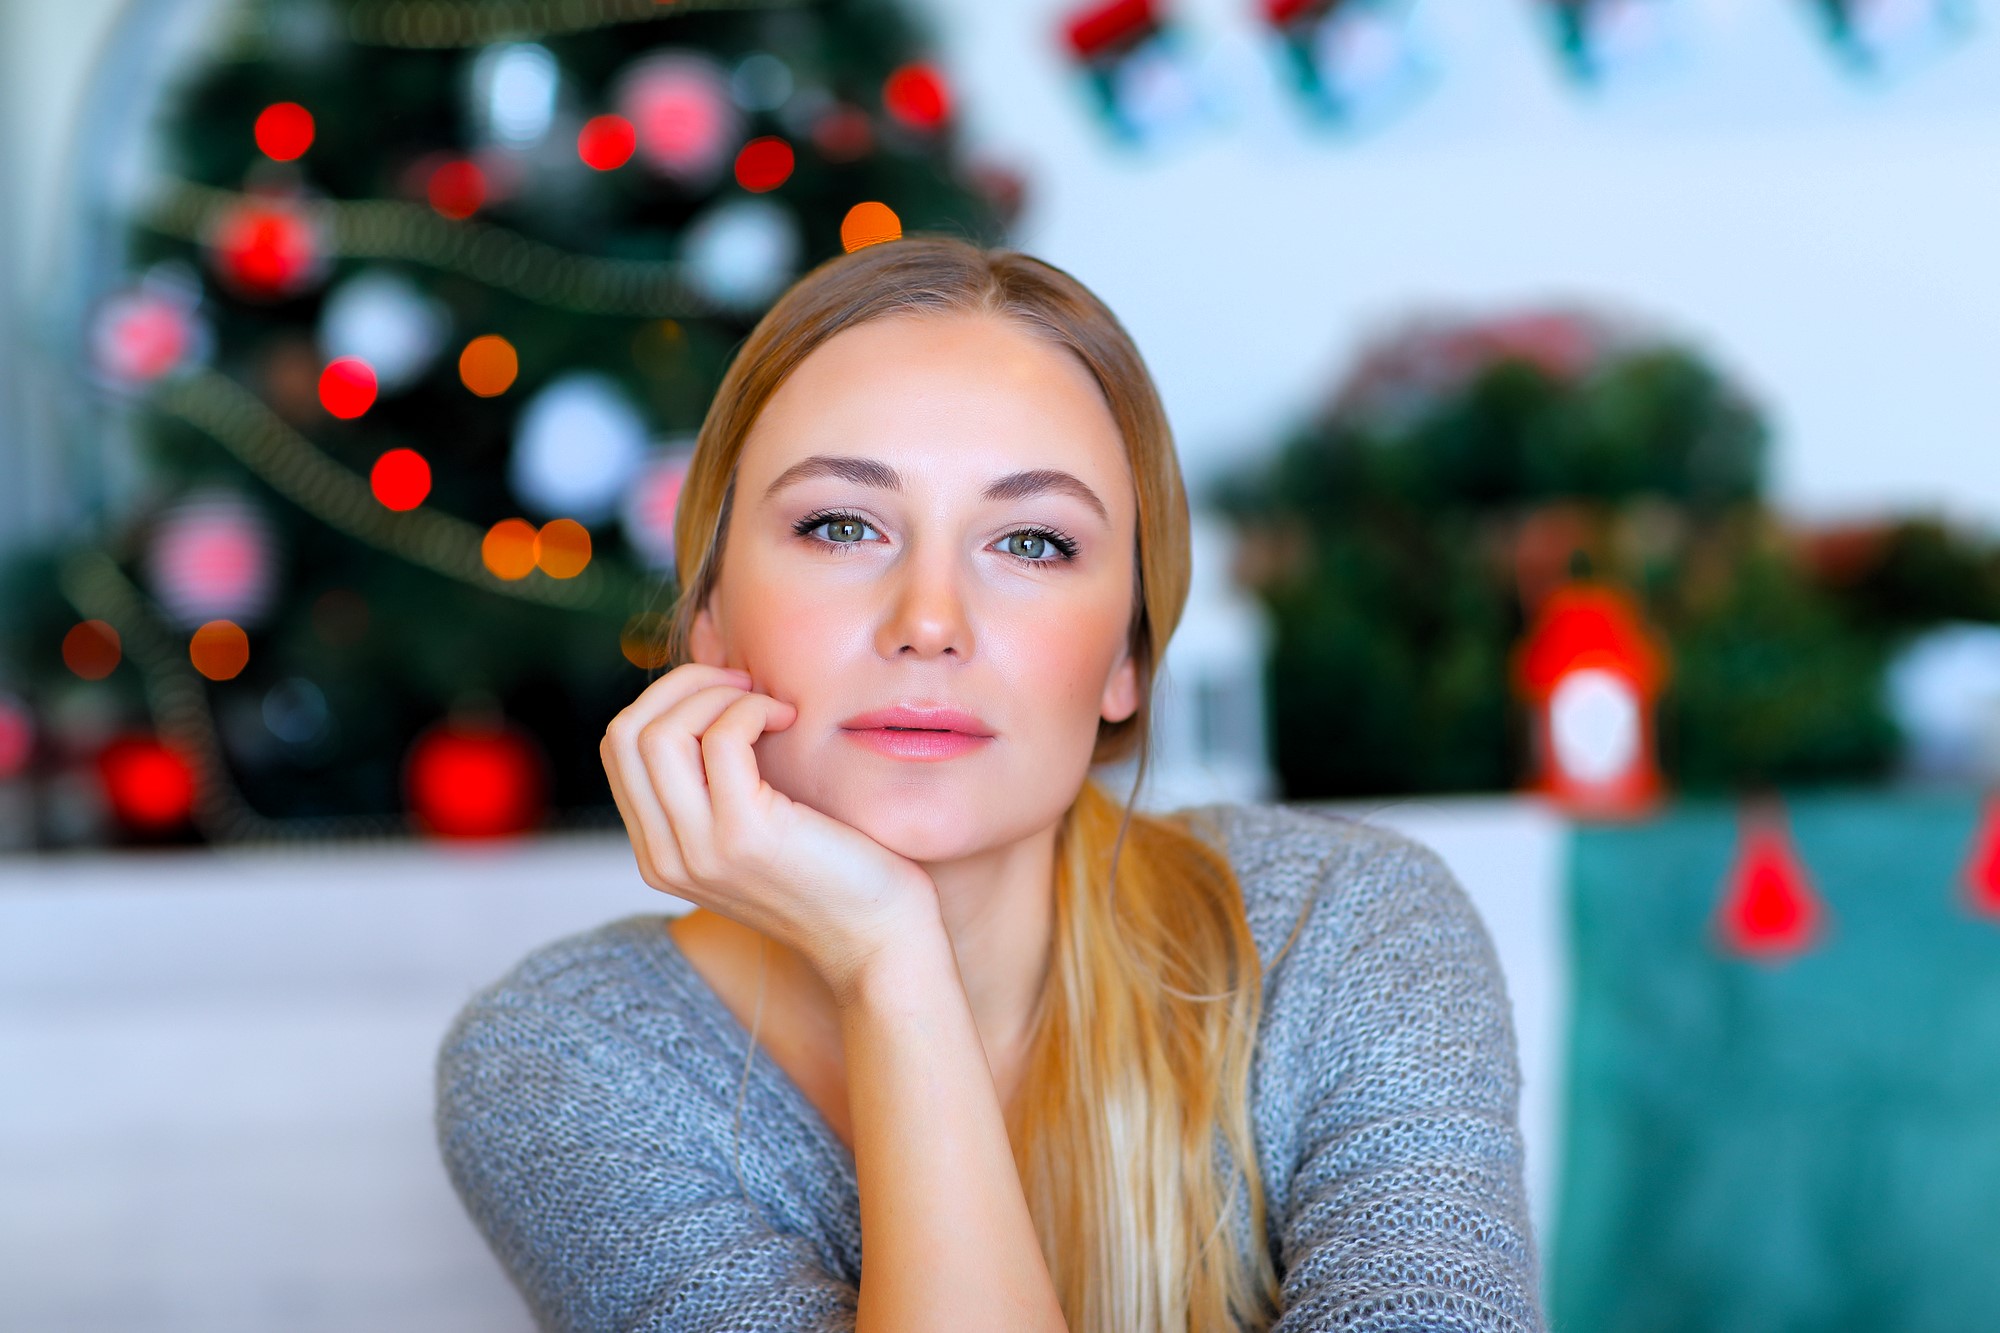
(926, 615)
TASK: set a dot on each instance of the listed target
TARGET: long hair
(1131, 1130)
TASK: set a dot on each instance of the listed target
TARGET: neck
(999, 910)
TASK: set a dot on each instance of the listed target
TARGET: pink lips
(914, 731)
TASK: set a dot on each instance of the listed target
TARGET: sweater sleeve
(566, 1147)
(1407, 1209)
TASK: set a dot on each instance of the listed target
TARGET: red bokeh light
(148, 784)
(475, 782)
(764, 164)
(606, 143)
(92, 649)
(347, 387)
(457, 189)
(916, 96)
(284, 131)
(265, 250)
(401, 478)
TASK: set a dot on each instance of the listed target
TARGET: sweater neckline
(735, 1035)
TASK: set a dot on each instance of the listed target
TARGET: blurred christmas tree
(422, 318)
(1405, 536)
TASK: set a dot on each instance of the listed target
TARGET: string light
(435, 24)
(242, 423)
(394, 230)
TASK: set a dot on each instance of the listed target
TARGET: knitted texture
(586, 1104)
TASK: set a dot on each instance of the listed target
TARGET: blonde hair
(1143, 1042)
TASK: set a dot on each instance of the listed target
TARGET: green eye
(845, 529)
(1027, 545)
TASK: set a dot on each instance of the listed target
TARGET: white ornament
(1944, 692)
(514, 89)
(386, 320)
(580, 441)
(211, 559)
(742, 253)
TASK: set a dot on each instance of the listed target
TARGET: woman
(1046, 1063)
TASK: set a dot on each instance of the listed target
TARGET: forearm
(946, 1238)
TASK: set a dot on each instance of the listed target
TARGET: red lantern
(150, 785)
(470, 780)
(1592, 671)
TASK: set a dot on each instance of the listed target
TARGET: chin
(929, 814)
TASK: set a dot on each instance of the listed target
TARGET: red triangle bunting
(1982, 868)
(1769, 907)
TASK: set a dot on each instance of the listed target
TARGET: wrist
(915, 959)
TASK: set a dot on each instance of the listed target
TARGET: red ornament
(17, 735)
(401, 478)
(606, 143)
(1982, 868)
(149, 784)
(284, 131)
(764, 164)
(464, 780)
(347, 387)
(916, 95)
(457, 188)
(1770, 908)
(265, 250)
(142, 336)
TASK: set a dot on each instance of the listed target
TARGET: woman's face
(930, 555)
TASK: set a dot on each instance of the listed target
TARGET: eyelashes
(1065, 545)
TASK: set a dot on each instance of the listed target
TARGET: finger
(632, 781)
(733, 779)
(674, 687)
(671, 748)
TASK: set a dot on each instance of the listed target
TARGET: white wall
(1831, 240)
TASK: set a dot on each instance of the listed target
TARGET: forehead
(942, 398)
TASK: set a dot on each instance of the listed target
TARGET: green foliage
(1394, 537)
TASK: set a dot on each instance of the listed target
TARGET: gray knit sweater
(585, 1103)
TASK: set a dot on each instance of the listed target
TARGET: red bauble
(400, 479)
(917, 96)
(606, 143)
(266, 250)
(150, 785)
(347, 387)
(463, 780)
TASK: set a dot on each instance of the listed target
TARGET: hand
(706, 826)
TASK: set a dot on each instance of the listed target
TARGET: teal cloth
(1779, 1146)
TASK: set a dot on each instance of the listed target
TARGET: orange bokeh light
(869, 223)
(488, 365)
(220, 650)
(644, 640)
(563, 548)
(510, 548)
(91, 649)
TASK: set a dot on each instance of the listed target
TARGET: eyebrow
(871, 472)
